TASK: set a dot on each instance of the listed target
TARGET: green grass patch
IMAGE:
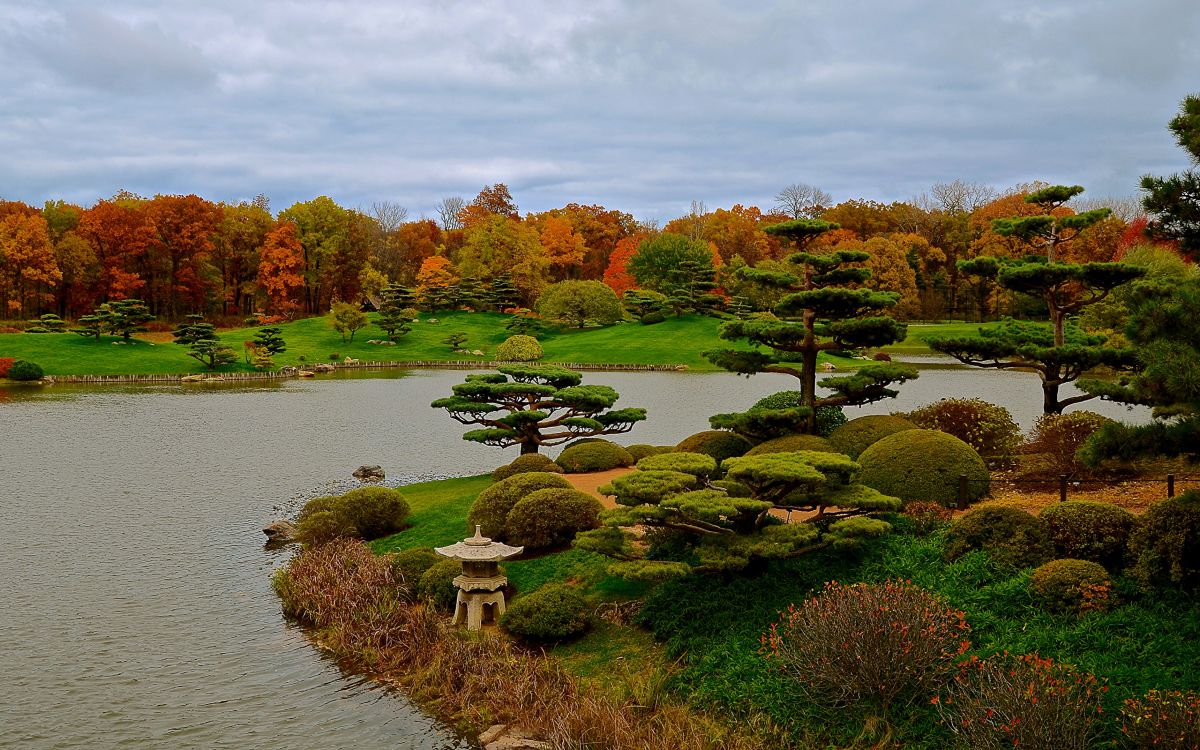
(439, 513)
(916, 342)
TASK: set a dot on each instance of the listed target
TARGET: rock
(828, 366)
(324, 368)
(515, 742)
(191, 379)
(492, 733)
(213, 379)
(374, 341)
(368, 473)
(433, 320)
(477, 353)
(350, 361)
(305, 374)
(290, 370)
(281, 531)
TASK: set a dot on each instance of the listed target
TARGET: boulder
(191, 379)
(305, 374)
(477, 353)
(290, 370)
(323, 367)
(368, 473)
(281, 531)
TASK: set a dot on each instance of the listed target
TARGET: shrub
(525, 464)
(1164, 547)
(519, 349)
(1162, 719)
(984, 426)
(437, 584)
(552, 613)
(408, 567)
(641, 450)
(23, 370)
(923, 465)
(491, 507)
(858, 434)
(551, 517)
(651, 318)
(1070, 586)
(879, 643)
(1022, 701)
(1010, 536)
(367, 513)
(600, 455)
(732, 488)
(718, 444)
(6, 364)
(829, 418)
(927, 517)
(1090, 531)
(1058, 437)
(791, 444)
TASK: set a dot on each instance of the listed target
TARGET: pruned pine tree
(203, 343)
(394, 316)
(270, 339)
(821, 311)
(502, 294)
(534, 406)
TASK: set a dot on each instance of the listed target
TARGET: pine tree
(821, 312)
(270, 339)
(502, 294)
(203, 344)
(1174, 202)
(471, 294)
(124, 317)
(690, 288)
(395, 303)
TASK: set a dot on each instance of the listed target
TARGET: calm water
(135, 608)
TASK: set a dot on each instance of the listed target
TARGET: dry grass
(1132, 495)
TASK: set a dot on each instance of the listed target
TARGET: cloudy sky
(642, 106)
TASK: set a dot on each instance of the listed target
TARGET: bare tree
(957, 197)
(800, 200)
(1126, 209)
(449, 211)
(389, 214)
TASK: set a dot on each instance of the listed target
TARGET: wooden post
(963, 492)
(1062, 488)
(1170, 485)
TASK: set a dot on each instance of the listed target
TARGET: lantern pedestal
(481, 584)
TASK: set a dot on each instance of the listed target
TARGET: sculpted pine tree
(536, 405)
(726, 531)
(820, 312)
(203, 344)
(124, 317)
(395, 304)
(1174, 202)
(1059, 351)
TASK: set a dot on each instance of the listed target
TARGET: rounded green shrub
(641, 450)
(1010, 536)
(1090, 531)
(409, 565)
(600, 455)
(552, 613)
(923, 466)
(860, 433)
(24, 370)
(491, 507)
(526, 463)
(367, 513)
(984, 426)
(1164, 548)
(519, 349)
(1068, 585)
(718, 444)
(437, 584)
(651, 318)
(551, 518)
(828, 419)
(321, 526)
(791, 444)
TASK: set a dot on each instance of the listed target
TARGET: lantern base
(470, 606)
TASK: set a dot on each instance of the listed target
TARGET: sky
(642, 106)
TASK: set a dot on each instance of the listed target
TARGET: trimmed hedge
(1069, 585)
(551, 518)
(923, 466)
(409, 565)
(491, 507)
(437, 584)
(1011, 537)
(791, 444)
(599, 455)
(552, 613)
(519, 349)
(367, 513)
(24, 371)
(986, 427)
(525, 464)
(642, 450)
(1164, 548)
(858, 434)
(1090, 531)
(718, 444)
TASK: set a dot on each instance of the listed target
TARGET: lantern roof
(478, 548)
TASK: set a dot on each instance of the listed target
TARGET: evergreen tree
(739, 307)
(1059, 351)
(502, 294)
(124, 317)
(395, 303)
(471, 294)
(89, 326)
(535, 405)
(1174, 202)
(642, 302)
(203, 344)
(690, 288)
(455, 340)
(821, 312)
(523, 323)
(270, 340)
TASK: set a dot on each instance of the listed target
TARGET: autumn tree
(534, 406)
(1058, 351)
(564, 249)
(336, 245)
(178, 254)
(75, 258)
(449, 212)
(28, 267)
(241, 232)
(617, 274)
(497, 244)
(281, 268)
(119, 232)
(802, 201)
(600, 229)
(435, 283)
(347, 319)
(492, 201)
(820, 312)
(578, 303)
(1174, 202)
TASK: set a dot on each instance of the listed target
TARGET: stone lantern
(481, 583)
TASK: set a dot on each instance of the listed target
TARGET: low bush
(366, 513)
(491, 507)
(1058, 438)
(552, 613)
(651, 318)
(1011, 537)
(525, 464)
(1023, 702)
(600, 455)
(1162, 719)
(881, 644)
(23, 370)
(1070, 586)
(984, 426)
(829, 418)
(1164, 548)
(718, 444)
(928, 517)
(923, 466)
(1090, 531)
(551, 517)
(519, 349)
(858, 434)
(408, 567)
(437, 584)
(791, 444)
(641, 450)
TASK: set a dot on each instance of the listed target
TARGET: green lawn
(915, 342)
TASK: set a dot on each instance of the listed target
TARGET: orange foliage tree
(184, 227)
(617, 274)
(564, 249)
(28, 267)
(119, 231)
(281, 268)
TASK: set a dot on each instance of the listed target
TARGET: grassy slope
(914, 342)
(676, 341)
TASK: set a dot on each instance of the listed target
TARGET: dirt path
(590, 482)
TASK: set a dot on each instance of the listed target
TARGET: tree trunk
(808, 384)
(529, 447)
(1050, 404)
